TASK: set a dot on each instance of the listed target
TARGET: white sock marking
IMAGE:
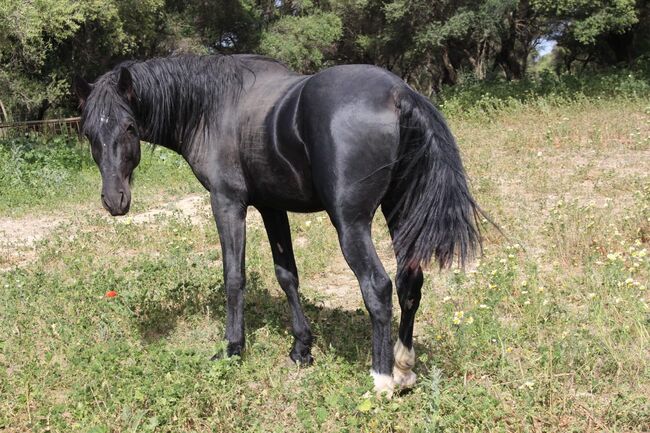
(404, 362)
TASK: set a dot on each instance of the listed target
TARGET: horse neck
(181, 109)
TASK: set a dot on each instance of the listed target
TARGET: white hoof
(404, 362)
(384, 384)
(404, 379)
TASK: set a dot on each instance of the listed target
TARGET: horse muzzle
(116, 202)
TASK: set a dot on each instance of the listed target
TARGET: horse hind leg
(409, 284)
(376, 288)
(409, 281)
(279, 233)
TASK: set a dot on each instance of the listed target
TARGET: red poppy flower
(111, 294)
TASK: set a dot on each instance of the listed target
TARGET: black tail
(432, 210)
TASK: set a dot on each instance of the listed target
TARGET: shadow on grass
(348, 333)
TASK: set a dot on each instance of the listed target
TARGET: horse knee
(234, 281)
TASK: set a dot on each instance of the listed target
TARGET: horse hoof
(222, 355)
(218, 356)
(384, 384)
(404, 379)
(234, 349)
(302, 360)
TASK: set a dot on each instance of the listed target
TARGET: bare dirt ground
(20, 232)
(19, 237)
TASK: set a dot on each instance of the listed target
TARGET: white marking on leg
(403, 368)
(384, 383)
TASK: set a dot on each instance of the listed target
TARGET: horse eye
(131, 129)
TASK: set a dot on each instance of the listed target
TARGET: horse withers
(346, 140)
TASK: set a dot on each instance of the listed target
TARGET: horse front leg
(230, 216)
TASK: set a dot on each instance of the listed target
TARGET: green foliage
(36, 171)
(46, 42)
(482, 99)
(591, 19)
(29, 34)
(431, 45)
(40, 165)
(302, 41)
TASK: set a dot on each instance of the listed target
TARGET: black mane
(176, 97)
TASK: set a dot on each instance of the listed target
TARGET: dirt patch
(337, 287)
(18, 238)
(26, 231)
(196, 207)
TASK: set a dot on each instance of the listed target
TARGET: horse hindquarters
(386, 144)
(352, 146)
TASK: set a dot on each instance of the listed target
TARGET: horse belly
(285, 187)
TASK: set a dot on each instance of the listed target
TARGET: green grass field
(547, 332)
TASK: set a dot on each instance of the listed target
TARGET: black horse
(346, 140)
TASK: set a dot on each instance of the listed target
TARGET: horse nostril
(121, 198)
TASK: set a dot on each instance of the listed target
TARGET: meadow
(548, 331)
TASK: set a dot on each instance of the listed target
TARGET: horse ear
(125, 85)
(82, 88)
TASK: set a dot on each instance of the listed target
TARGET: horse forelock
(105, 108)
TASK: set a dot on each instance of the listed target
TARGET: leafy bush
(302, 42)
(39, 163)
(474, 97)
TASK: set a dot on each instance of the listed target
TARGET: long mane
(176, 97)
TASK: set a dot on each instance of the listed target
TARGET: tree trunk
(45, 104)
(5, 117)
(621, 46)
(516, 42)
(451, 76)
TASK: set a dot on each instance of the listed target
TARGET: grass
(549, 331)
(40, 174)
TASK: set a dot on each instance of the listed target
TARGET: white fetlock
(404, 379)
(384, 384)
(404, 363)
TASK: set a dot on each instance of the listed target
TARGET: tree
(302, 41)
(600, 31)
(29, 31)
(44, 43)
